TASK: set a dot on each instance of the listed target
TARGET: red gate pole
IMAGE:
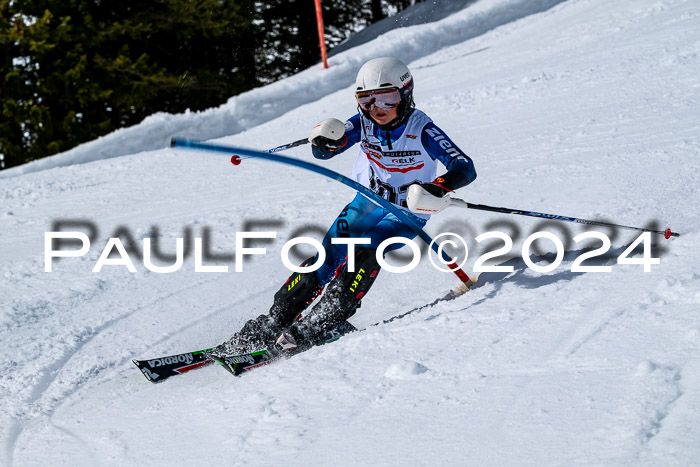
(321, 37)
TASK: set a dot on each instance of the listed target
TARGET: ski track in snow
(584, 108)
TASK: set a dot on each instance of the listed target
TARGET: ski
(239, 364)
(242, 363)
(159, 369)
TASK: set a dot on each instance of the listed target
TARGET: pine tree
(289, 32)
(73, 71)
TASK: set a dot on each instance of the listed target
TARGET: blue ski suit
(388, 162)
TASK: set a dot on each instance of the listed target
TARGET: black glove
(435, 189)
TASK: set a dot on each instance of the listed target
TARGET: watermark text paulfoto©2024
(442, 241)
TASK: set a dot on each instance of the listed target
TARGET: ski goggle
(385, 99)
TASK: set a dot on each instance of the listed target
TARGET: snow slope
(420, 13)
(587, 109)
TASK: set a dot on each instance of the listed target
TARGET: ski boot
(286, 342)
(340, 301)
(300, 290)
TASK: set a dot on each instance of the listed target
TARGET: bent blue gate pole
(401, 215)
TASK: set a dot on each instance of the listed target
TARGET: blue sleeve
(460, 167)
(353, 132)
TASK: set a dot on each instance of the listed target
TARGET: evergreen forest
(74, 70)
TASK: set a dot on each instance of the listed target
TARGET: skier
(399, 146)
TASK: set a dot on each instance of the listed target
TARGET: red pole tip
(667, 233)
(235, 160)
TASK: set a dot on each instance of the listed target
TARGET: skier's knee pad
(341, 299)
(295, 295)
(356, 284)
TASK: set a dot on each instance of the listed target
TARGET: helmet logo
(405, 76)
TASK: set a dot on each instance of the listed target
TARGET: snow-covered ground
(587, 109)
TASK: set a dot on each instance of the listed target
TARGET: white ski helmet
(387, 73)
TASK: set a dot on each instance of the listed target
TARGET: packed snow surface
(588, 109)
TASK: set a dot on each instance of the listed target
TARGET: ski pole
(481, 207)
(235, 160)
